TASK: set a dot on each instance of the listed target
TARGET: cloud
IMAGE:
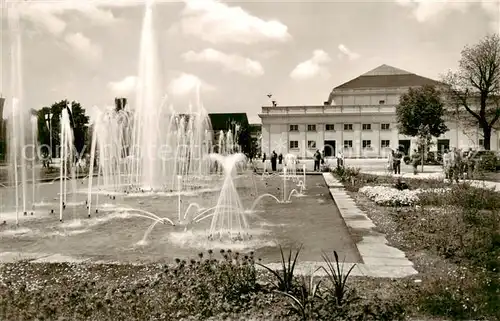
(123, 87)
(313, 67)
(83, 46)
(230, 62)
(187, 83)
(217, 22)
(425, 10)
(347, 52)
(46, 14)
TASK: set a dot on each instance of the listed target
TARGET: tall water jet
(228, 218)
(19, 117)
(65, 157)
(34, 131)
(147, 106)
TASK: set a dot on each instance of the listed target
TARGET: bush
(199, 288)
(346, 174)
(488, 162)
(462, 295)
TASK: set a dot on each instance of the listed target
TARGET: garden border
(379, 259)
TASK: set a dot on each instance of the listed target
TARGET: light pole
(48, 121)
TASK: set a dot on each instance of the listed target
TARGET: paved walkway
(379, 259)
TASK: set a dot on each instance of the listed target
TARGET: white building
(359, 118)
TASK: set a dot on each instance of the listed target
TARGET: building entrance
(329, 148)
(404, 146)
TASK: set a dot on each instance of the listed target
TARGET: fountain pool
(115, 233)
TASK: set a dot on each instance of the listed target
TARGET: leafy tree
(247, 143)
(474, 89)
(79, 122)
(420, 113)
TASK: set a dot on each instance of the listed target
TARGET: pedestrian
(415, 157)
(390, 161)
(317, 159)
(340, 159)
(274, 158)
(446, 164)
(397, 161)
(280, 158)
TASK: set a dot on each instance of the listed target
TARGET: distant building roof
(255, 128)
(223, 121)
(386, 76)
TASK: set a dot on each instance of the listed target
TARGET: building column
(341, 143)
(394, 138)
(303, 138)
(379, 143)
(360, 141)
(320, 128)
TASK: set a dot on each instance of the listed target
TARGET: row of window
(367, 144)
(331, 127)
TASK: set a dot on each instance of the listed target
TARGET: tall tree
(474, 88)
(247, 143)
(79, 122)
(420, 113)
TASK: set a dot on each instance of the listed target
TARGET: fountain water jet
(229, 216)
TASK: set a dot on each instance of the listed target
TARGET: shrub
(345, 174)
(488, 162)
(460, 295)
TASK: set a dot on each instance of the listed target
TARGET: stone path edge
(379, 259)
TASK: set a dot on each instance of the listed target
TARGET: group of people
(318, 157)
(394, 161)
(458, 164)
(275, 159)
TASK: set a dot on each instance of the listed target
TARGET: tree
(474, 89)
(247, 142)
(79, 123)
(420, 113)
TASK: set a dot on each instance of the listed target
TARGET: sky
(234, 52)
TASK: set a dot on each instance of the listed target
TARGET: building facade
(359, 119)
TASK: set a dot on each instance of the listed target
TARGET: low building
(358, 118)
(227, 121)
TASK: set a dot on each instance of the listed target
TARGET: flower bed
(390, 196)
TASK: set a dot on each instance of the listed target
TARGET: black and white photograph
(250, 160)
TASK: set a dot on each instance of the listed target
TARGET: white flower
(390, 196)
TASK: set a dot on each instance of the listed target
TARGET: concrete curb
(379, 259)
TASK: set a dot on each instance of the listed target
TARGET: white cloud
(83, 46)
(230, 62)
(217, 22)
(347, 52)
(425, 10)
(187, 83)
(123, 87)
(313, 67)
(46, 14)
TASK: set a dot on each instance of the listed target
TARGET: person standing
(317, 159)
(340, 159)
(280, 158)
(446, 164)
(390, 161)
(397, 161)
(415, 157)
(274, 158)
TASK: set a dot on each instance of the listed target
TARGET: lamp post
(48, 122)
